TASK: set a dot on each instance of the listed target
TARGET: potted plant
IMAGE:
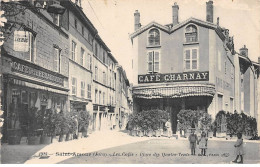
(14, 131)
(34, 134)
(62, 125)
(83, 122)
(72, 126)
(48, 126)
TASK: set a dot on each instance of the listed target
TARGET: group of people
(203, 143)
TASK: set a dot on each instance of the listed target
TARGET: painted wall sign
(174, 77)
(24, 69)
(21, 41)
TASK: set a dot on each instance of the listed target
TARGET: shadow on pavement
(18, 154)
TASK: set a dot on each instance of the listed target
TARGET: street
(112, 147)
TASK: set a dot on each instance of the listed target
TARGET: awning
(174, 91)
(36, 86)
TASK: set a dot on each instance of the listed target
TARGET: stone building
(188, 65)
(123, 98)
(34, 64)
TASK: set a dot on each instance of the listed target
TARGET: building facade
(80, 31)
(123, 98)
(34, 65)
(186, 65)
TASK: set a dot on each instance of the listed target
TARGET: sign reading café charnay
(174, 77)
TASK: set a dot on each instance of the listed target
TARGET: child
(239, 149)
(169, 129)
(193, 140)
(203, 143)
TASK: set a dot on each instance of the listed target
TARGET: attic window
(154, 37)
(191, 34)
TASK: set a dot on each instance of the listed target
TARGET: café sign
(21, 41)
(24, 69)
(174, 77)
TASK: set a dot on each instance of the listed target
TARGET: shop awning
(36, 86)
(174, 91)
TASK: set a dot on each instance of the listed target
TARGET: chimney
(137, 20)
(244, 51)
(259, 60)
(209, 11)
(175, 14)
(218, 21)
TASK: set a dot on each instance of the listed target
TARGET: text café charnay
(174, 77)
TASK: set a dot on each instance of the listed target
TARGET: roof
(112, 57)
(170, 29)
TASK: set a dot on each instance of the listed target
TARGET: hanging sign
(21, 41)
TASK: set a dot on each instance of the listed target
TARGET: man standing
(193, 139)
(169, 128)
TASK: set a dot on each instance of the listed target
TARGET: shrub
(83, 121)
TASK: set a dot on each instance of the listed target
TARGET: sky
(114, 20)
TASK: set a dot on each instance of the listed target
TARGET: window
(96, 50)
(219, 61)
(104, 78)
(231, 105)
(220, 102)
(82, 89)
(154, 37)
(191, 59)
(100, 97)
(82, 56)
(56, 62)
(96, 96)
(96, 73)
(191, 33)
(75, 24)
(82, 30)
(104, 57)
(89, 91)
(90, 62)
(74, 86)
(104, 97)
(73, 50)
(153, 61)
(56, 19)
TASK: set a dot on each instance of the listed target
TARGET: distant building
(190, 65)
(123, 97)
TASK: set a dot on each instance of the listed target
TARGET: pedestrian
(239, 150)
(168, 127)
(193, 139)
(203, 142)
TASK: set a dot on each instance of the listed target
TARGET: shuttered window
(153, 61)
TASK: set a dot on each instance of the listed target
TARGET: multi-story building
(123, 98)
(34, 63)
(104, 85)
(187, 65)
(81, 34)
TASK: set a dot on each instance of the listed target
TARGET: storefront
(29, 88)
(173, 97)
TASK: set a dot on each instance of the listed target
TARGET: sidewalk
(97, 141)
